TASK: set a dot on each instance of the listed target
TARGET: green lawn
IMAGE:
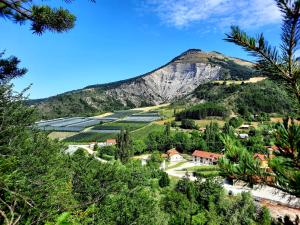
(176, 165)
(204, 168)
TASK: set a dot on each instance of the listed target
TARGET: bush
(236, 122)
(164, 180)
(188, 124)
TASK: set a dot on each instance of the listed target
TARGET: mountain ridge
(171, 81)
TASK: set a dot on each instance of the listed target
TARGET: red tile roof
(111, 141)
(172, 152)
(207, 155)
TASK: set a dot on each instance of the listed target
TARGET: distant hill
(178, 78)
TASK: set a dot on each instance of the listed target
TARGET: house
(110, 142)
(202, 157)
(173, 155)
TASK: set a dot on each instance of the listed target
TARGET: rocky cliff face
(176, 79)
(166, 84)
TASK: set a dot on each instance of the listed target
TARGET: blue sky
(119, 39)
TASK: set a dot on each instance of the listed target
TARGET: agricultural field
(121, 114)
(88, 137)
(61, 135)
(131, 126)
(144, 132)
(73, 124)
(141, 119)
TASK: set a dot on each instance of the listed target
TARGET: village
(178, 165)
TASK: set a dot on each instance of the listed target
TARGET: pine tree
(42, 17)
(282, 66)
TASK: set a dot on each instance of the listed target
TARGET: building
(110, 142)
(243, 136)
(208, 158)
(173, 155)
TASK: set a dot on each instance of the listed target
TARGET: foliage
(106, 150)
(212, 137)
(188, 124)
(86, 137)
(9, 68)
(42, 17)
(235, 122)
(138, 146)
(164, 180)
(202, 111)
(31, 166)
(124, 146)
(281, 66)
(249, 98)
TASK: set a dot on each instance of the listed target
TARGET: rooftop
(208, 155)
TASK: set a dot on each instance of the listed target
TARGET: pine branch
(260, 49)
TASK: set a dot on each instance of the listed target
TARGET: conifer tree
(42, 17)
(282, 66)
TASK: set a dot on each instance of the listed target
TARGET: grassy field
(90, 137)
(131, 126)
(203, 123)
(144, 132)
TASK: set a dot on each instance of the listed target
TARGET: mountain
(178, 78)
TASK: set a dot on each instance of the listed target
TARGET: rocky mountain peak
(178, 78)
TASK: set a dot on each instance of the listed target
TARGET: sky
(119, 39)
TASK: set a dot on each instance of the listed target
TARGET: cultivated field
(90, 137)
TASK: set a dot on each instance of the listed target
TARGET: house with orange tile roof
(173, 155)
(203, 157)
(111, 142)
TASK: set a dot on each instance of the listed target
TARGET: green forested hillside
(263, 96)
